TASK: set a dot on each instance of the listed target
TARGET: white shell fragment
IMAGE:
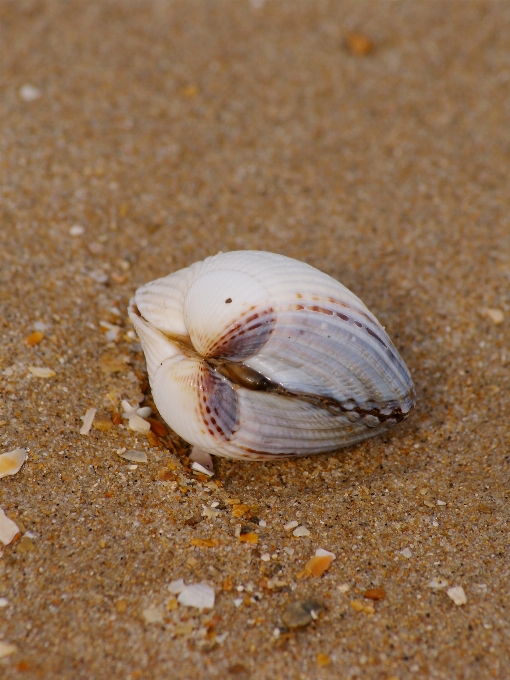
(136, 422)
(8, 528)
(88, 419)
(42, 372)
(321, 552)
(133, 455)
(255, 355)
(198, 595)
(301, 532)
(176, 587)
(11, 461)
(457, 594)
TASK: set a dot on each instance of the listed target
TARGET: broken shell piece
(318, 564)
(200, 468)
(203, 458)
(87, 421)
(42, 372)
(8, 529)
(133, 455)
(11, 461)
(136, 422)
(198, 595)
(144, 411)
(290, 525)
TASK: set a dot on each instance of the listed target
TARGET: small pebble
(34, 338)
(495, 315)
(457, 594)
(153, 615)
(406, 552)
(176, 587)
(26, 544)
(4, 602)
(29, 93)
(301, 612)
(374, 594)
(76, 230)
(323, 660)
(301, 532)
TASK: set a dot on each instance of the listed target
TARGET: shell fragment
(11, 461)
(8, 528)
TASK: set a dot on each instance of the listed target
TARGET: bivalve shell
(256, 355)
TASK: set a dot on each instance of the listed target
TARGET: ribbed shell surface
(334, 376)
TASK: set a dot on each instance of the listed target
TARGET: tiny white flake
(320, 552)
(199, 595)
(344, 587)
(42, 371)
(290, 525)
(406, 552)
(441, 502)
(266, 557)
(29, 93)
(200, 468)
(4, 602)
(220, 639)
(435, 524)
(76, 230)
(238, 601)
(262, 523)
(289, 551)
(276, 633)
(437, 583)
(88, 418)
(457, 594)
(152, 615)
(176, 587)
(301, 531)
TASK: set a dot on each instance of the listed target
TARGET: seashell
(256, 355)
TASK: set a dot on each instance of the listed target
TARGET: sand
(168, 131)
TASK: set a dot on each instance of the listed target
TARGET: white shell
(326, 373)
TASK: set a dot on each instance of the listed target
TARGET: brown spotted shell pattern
(255, 355)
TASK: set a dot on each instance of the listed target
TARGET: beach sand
(369, 139)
